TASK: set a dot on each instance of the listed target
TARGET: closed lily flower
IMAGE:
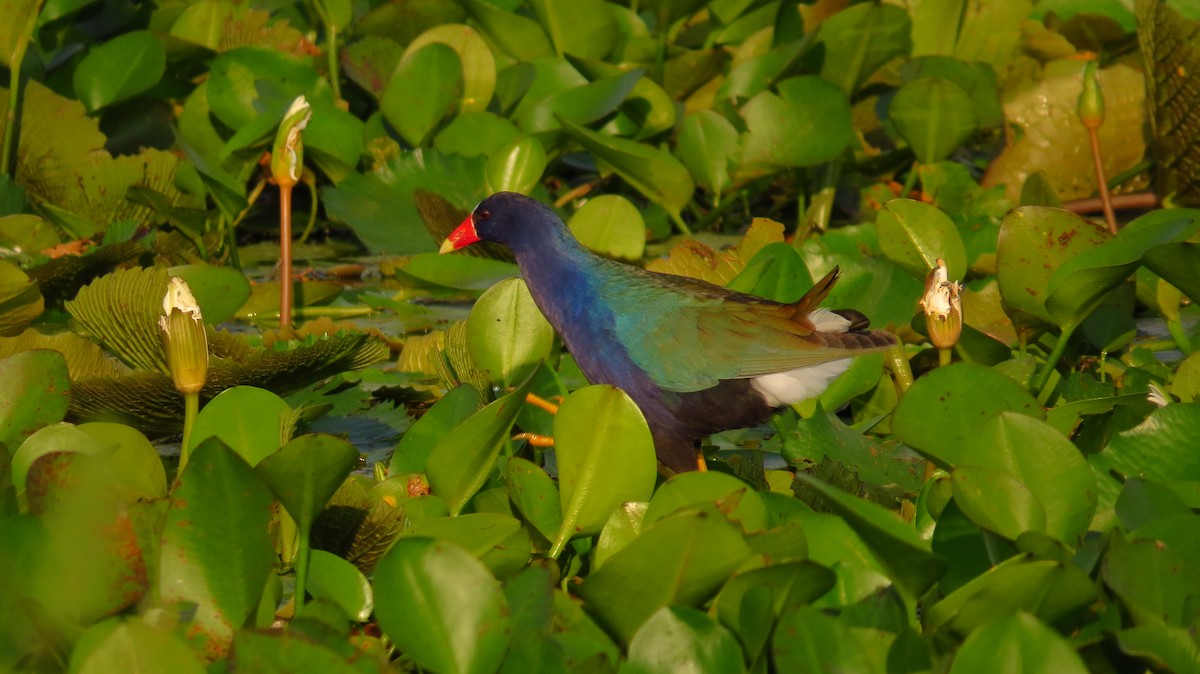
(942, 304)
(184, 338)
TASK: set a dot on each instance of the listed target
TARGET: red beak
(462, 236)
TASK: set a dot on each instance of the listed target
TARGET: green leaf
(1034, 242)
(1153, 582)
(412, 452)
(457, 271)
(807, 124)
(581, 104)
(1018, 641)
(1042, 460)
(255, 85)
(506, 333)
(941, 414)
(462, 460)
(301, 650)
(426, 88)
(776, 272)
(516, 166)
(705, 145)
(253, 422)
(651, 171)
(934, 116)
(1082, 282)
(818, 642)
(370, 62)
(682, 560)
(120, 69)
(136, 463)
(896, 545)
(824, 437)
(534, 494)
(605, 458)
(976, 80)
(1049, 590)
(624, 525)
(1176, 264)
(750, 603)
(131, 645)
(677, 638)
(496, 539)
(333, 578)
(21, 300)
(17, 29)
(1160, 449)
(860, 39)
(478, 64)
(441, 607)
(214, 553)
(735, 499)
(380, 208)
(584, 28)
(517, 36)
(1173, 646)
(610, 225)
(306, 472)
(914, 235)
(997, 502)
(34, 395)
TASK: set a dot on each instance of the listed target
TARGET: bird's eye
(482, 215)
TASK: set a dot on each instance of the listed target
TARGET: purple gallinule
(695, 357)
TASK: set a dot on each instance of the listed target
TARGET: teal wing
(688, 335)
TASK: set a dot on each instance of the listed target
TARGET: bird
(695, 357)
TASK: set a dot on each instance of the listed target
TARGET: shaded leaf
(441, 607)
(214, 553)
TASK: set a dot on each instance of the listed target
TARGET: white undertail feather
(825, 320)
(785, 388)
(792, 386)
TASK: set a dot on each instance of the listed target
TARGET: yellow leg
(541, 402)
(701, 464)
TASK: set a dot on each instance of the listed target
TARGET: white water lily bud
(287, 157)
(184, 338)
(943, 307)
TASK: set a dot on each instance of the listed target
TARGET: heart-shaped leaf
(605, 458)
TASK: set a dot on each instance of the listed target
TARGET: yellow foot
(541, 402)
(535, 439)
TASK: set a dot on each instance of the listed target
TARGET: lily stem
(1105, 198)
(1060, 347)
(191, 407)
(285, 255)
(944, 357)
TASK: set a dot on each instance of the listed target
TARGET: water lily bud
(1090, 106)
(184, 338)
(943, 307)
(287, 157)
